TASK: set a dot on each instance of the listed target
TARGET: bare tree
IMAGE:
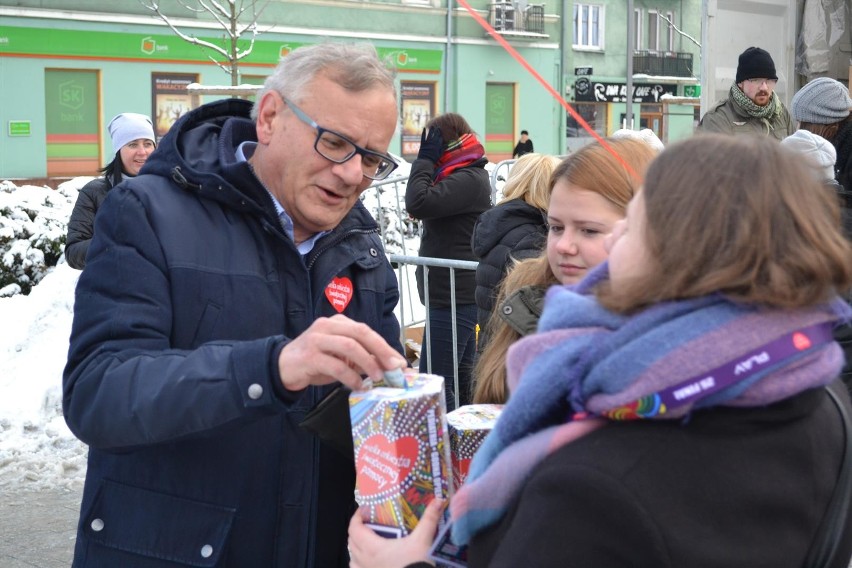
(235, 18)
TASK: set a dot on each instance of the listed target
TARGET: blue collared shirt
(244, 151)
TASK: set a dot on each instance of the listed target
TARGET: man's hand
(336, 349)
(369, 550)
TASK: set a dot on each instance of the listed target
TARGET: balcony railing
(668, 63)
(516, 18)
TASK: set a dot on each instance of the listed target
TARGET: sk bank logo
(148, 45)
(401, 58)
(71, 95)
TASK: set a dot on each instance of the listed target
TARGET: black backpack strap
(823, 551)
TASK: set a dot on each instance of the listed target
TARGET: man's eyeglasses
(758, 82)
(338, 148)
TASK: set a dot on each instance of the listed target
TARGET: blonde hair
(746, 220)
(617, 178)
(529, 179)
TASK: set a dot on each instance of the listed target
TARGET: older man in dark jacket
(228, 289)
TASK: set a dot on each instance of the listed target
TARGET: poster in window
(170, 99)
(418, 108)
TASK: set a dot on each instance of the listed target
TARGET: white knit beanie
(129, 126)
(822, 101)
(818, 151)
(645, 135)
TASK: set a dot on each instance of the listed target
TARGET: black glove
(431, 145)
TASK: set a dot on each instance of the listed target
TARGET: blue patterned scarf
(587, 365)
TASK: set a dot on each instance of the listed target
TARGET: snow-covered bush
(33, 222)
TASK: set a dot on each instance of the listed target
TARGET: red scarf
(459, 153)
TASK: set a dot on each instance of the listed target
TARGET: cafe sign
(599, 92)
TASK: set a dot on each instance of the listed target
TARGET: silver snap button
(374, 252)
(97, 525)
(206, 551)
(255, 391)
(507, 310)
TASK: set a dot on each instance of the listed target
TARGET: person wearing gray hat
(752, 106)
(823, 107)
(133, 140)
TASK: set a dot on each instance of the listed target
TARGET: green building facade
(69, 66)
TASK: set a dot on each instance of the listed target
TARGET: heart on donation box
(339, 293)
(384, 464)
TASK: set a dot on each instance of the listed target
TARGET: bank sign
(586, 90)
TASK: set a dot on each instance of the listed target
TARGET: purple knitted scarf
(587, 365)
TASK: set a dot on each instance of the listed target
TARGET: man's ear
(269, 109)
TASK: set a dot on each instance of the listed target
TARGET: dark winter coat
(81, 225)
(522, 148)
(449, 210)
(727, 487)
(192, 288)
(512, 230)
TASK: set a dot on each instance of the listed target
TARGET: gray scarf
(748, 105)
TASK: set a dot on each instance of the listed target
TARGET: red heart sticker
(382, 465)
(339, 293)
(801, 341)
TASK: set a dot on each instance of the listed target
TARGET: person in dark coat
(672, 408)
(448, 188)
(515, 229)
(229, 289)
(133, 141)
(524, 145)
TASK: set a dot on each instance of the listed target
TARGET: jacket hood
(493, 224)
(198, 153)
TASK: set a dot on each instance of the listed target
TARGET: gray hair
(355, 67)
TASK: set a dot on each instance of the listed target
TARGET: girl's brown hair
(827, 131)
(490, 370)
(592, 167)
(741, 216)
(452, 126)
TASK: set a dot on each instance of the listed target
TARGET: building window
(658, 33)
(637, 30)
(588, 26)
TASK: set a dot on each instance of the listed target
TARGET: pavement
(38, 528)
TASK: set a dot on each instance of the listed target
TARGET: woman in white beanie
(823, 107)
(133, 141)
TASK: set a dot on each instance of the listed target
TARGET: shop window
(593, 113)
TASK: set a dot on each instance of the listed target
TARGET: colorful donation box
(402, 458)
(468, 426)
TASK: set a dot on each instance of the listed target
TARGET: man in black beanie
(752, 107)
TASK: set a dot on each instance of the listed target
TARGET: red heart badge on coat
(339, 293)
(382, 465)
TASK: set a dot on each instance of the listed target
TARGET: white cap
(819, 152)
(129, 126)
(645, 135)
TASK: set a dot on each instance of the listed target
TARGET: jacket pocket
(158, 526)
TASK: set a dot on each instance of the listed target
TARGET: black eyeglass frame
(363, 152)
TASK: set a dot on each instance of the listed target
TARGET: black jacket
(522, 148)
(191, 290)
(449, 210)
(512, 230)
(81, 225)
(727, 487)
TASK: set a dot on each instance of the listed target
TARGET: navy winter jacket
(191, 290)
(512, 230)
